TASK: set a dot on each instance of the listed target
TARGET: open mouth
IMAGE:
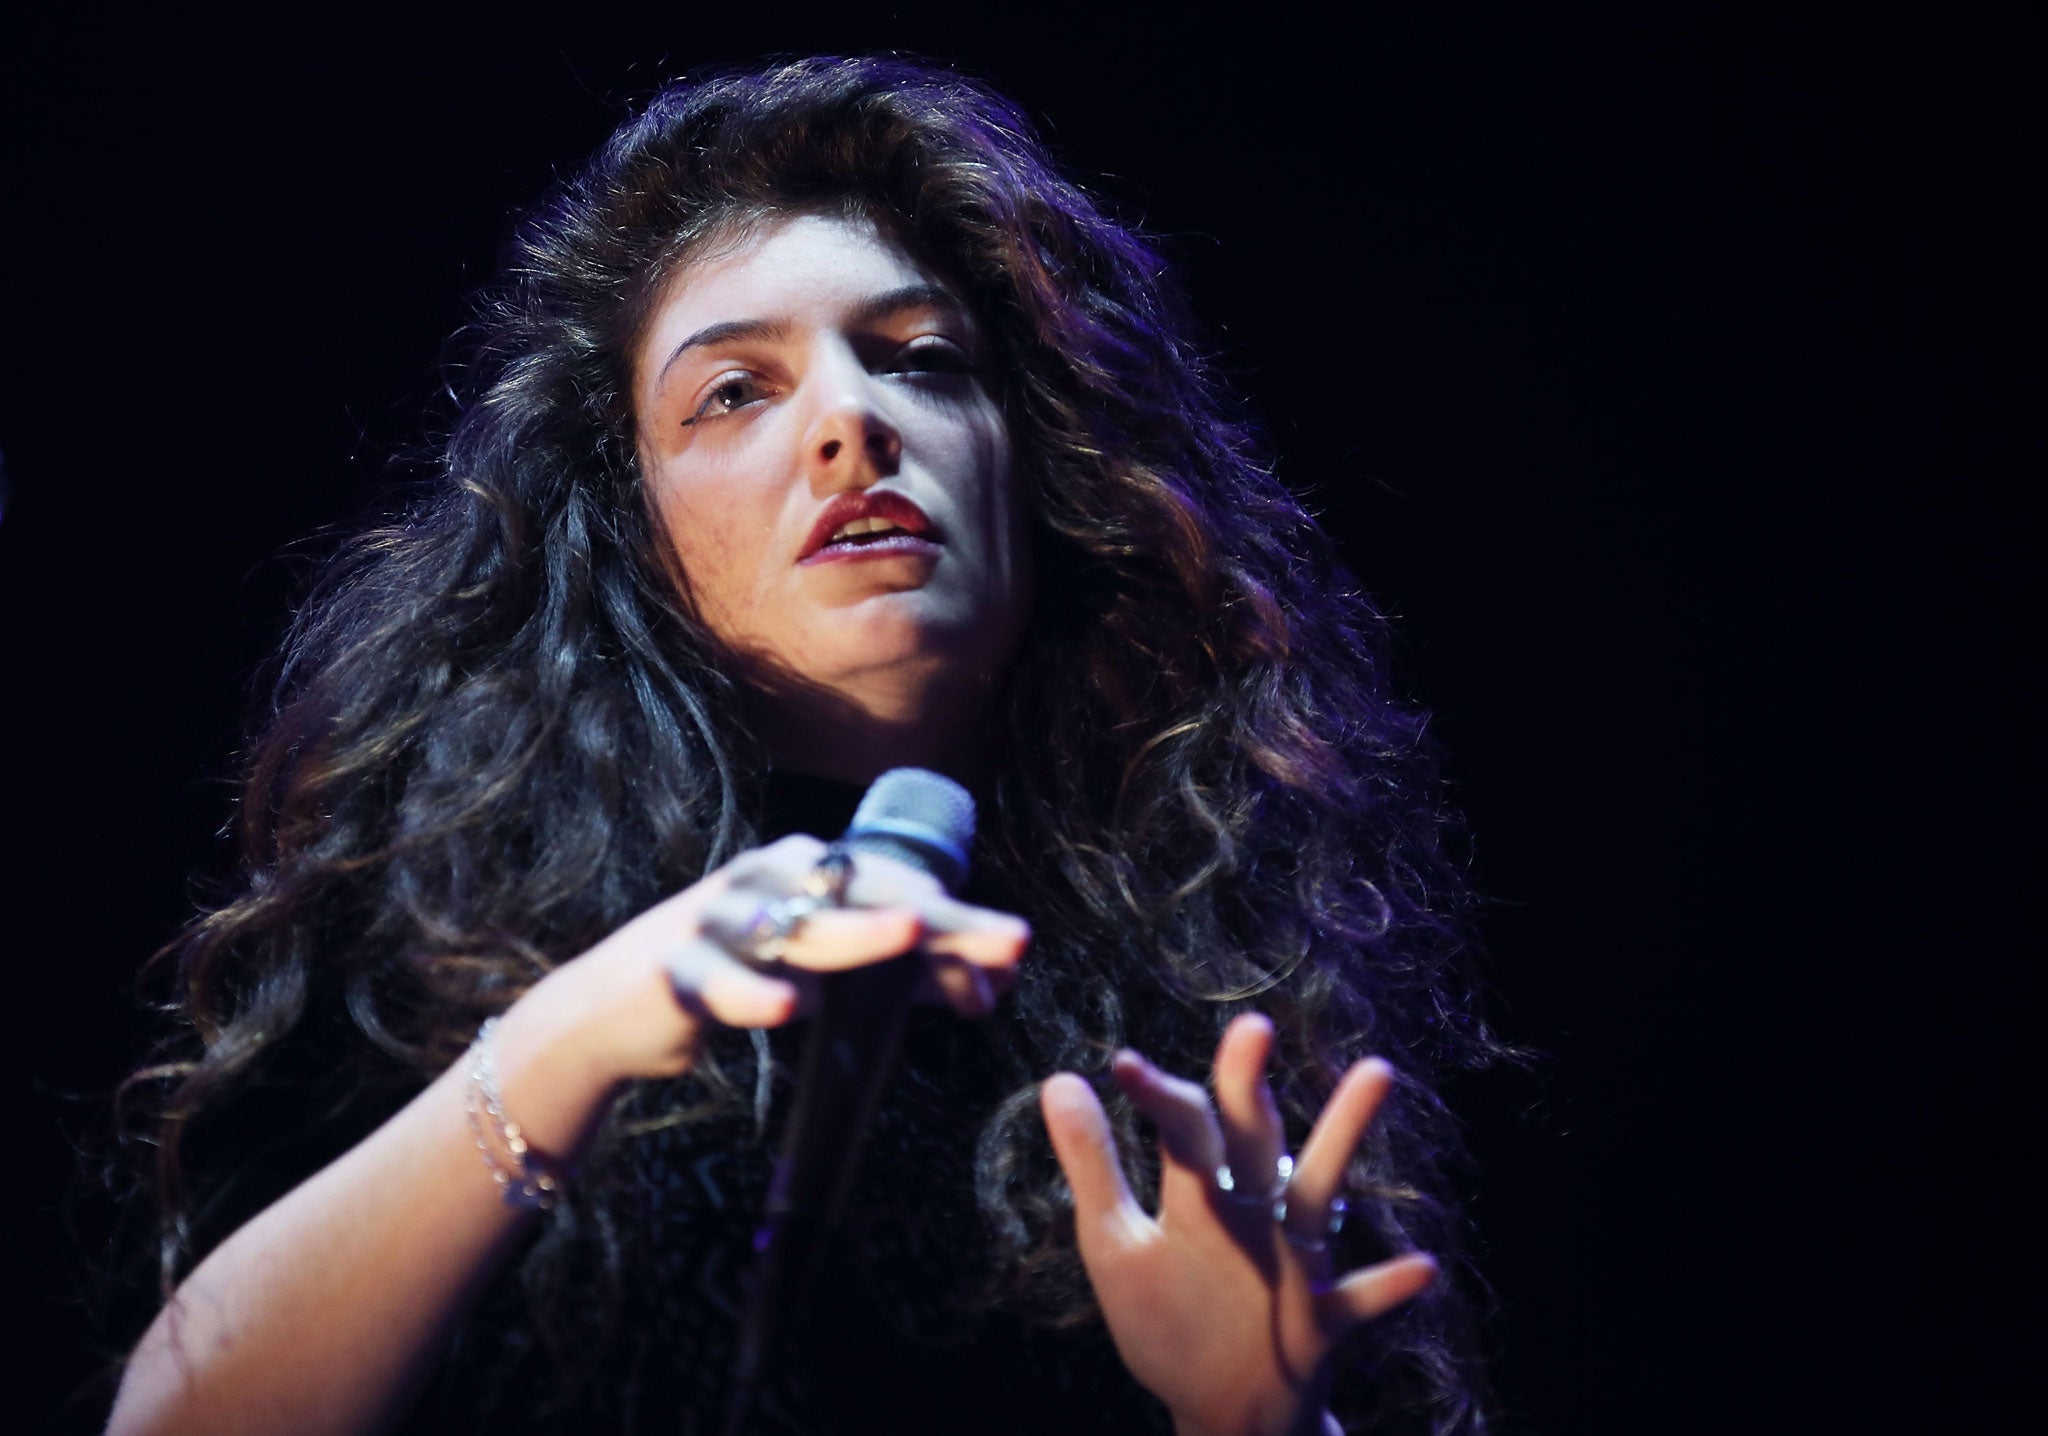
(869, 523)
(862, 532)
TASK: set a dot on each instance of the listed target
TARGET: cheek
(1008, 527)
(714, 540)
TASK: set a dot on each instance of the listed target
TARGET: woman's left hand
(1223, 1313)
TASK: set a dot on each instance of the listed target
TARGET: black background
(1665, 371)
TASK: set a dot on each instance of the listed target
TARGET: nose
(851, 443)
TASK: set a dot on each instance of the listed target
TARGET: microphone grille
(925, 810)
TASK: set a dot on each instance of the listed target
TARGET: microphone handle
(852, 1049)
(861, 1017)
(860, 1022)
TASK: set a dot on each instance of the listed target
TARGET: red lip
(867, 504)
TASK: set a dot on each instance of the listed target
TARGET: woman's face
(821, 440)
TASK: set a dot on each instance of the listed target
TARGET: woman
(821, 427)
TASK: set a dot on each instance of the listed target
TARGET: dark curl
(499, 731)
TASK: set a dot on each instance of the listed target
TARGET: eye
(734, 391)
(932, 354)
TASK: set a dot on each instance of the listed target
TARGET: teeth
(861, 526)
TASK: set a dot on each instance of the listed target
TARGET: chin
(911, 652)
(903, 625)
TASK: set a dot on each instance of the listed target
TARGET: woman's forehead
(789, 261)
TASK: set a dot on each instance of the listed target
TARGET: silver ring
(763, 935)
(1280, 1181)
(1226, 1188)
(1274, 1201)
(1320, 1244)
(827, 881)
(1275, 1198)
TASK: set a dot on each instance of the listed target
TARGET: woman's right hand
(263, 1337)
(640, 1002)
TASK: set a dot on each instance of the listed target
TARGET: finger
(772, 867)
(1105, 1212)
(1002, 981)
(1253, 1137)
(709, 983)
(1375, 1290)
(1339, 1128)
(958, 985)
(835, 939)
(978, 935)
(1189, 1137)
(822, 940)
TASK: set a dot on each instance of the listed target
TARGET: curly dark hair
(499, 730)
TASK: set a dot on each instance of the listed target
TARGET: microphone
(926, 821)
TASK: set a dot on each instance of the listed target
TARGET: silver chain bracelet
(525, 1181)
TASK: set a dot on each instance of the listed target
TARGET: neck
(830, 735)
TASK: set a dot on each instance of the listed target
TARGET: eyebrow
(871, 310)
